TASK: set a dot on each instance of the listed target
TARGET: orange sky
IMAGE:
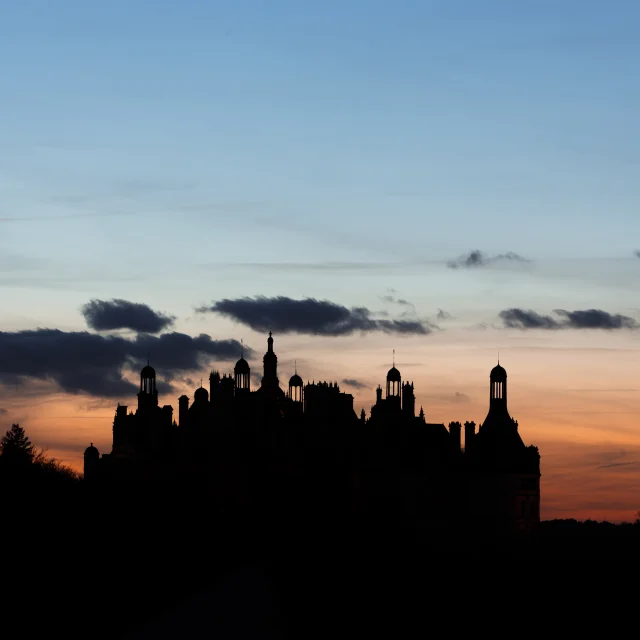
(573, 394)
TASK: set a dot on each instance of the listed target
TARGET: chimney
(183, 411)
(469, 432)
(455, 431)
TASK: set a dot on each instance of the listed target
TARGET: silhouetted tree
(15, 446)
(52, 467)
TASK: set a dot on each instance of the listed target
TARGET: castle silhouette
(307, 450)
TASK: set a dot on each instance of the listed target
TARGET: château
(306, 449)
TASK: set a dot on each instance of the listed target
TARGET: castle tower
(408, 400)
(183, 411)
(242, 374)
(200, 396)
(394, 381)
(148, 394)
(296, 390)
(270, 365)
(498, 388)
(214, 387)
(394, 386)
(91, 463)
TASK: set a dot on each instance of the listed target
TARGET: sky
(448, 180)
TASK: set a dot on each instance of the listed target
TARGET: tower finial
(241, 348)
(148, 356)
(201, 383)
(498, 356)
(295, 366)
(394, 357)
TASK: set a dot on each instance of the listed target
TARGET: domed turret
(148, 372)
(295, 380)
(242, 373)
(394, 382)
(91, 463)
(148, 396)
(498, 386)
(201, 395)
(296, 386)
(393, 375)
(91, 452)
(242, 366)
(498, 374)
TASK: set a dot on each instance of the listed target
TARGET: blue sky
(272, 131)
(172, 150)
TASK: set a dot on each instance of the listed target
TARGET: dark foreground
(98, 570)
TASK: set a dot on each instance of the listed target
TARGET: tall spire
(394, 357)
(270, 341)
(295, 367)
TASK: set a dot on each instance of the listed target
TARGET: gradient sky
(179, 153)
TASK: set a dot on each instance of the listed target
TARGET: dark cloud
(521, 319)
(309, 316)
(584, 319)
(83, 362)
(405, 327)
(477, 258)
(596, 319)
(107, 315)
(179, 351)
(3, 412)
(460, 397)
(637, 253)
(443, 315)
(356, 384)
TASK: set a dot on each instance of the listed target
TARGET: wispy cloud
(55, 217)
(583, 319)
(355, 384)
(390, 299)
(381, 267)
(477, 258)
(612, 465)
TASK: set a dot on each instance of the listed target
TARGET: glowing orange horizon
(574, 401)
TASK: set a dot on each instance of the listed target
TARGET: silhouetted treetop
(15, 446)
